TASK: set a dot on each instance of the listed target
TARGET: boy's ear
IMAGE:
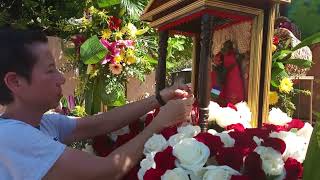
(12, 81)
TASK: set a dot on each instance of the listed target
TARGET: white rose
(227, 140)
(156, 143)
(219, 173)
(292, 142)
(277, 117)
(214, 109)
(227, 116)
(189, 130)
(257, 140)
(272, 163)
(175, 139)
(191, 154)
(244, 111)
(146, 164)
(175, 174)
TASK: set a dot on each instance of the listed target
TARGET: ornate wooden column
(161, 69)
(204, 70)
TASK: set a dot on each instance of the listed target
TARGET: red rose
(275, 143)
(153, 174)
(259, 132)
(274, 128)
(295, 123)
(135, 127)
(169, 131)
(236, 127)
(293, 168)
(243, 140)
(151, 115)
(165, 160)
(232, 157)
(253, 167)
(213, 142)
(275, 40)
(114, 23)
(240, 177)
(232, 106)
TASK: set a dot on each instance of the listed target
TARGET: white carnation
(156, 143)
(189, 130)
(212, 131)
(219, 173)
(277, 117)
(175, 174)
(227, 140)
(272, 163)
(191, 154)
(146, 164)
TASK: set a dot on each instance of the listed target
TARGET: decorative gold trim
(255, 67)
(148, 15)
(282, 1)
(265, 106)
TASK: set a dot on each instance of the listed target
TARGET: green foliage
(92, 51)
(305, 13)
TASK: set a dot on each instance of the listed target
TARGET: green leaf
(278, 65)
(313, 39)
(275, 84)
(281, 54)
(107, 3)
(89, 97)
(92, 51)
(278, 73)
(299, 62)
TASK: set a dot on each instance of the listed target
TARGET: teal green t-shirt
(311, 168)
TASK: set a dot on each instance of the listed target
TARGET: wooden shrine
(249, 24)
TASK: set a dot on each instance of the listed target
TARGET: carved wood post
(161, 69)
(204, 70)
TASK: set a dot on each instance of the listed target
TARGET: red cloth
(232, 90)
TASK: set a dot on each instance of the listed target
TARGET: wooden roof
(158, 8)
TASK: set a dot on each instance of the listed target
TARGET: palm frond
(134, 8)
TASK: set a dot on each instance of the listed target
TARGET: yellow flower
(286, 85)
(130, 60)
(274, 48)
(115, 68)
(132, 30)
(118, 59)
(106, 34)
(273, 97)
(118, 35)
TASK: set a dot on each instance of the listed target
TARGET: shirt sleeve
(64, 124)
(26, 153)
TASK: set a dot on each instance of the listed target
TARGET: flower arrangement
(237, 153)
(291, 59)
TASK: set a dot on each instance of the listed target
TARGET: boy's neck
(25, 114)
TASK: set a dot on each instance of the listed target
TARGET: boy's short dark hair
(16, 56)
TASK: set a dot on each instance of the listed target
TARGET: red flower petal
(240, 177)
(213, 142)
(236, 127)
(232, 157)
(274, 128)
(275, 40)
(230, 105)
(275, 143)
(295, 123)
(153, 174)
(293, 168)
(165, 160)
(253, 167)
(169, 131)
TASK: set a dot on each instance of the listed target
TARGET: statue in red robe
(227, 85)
